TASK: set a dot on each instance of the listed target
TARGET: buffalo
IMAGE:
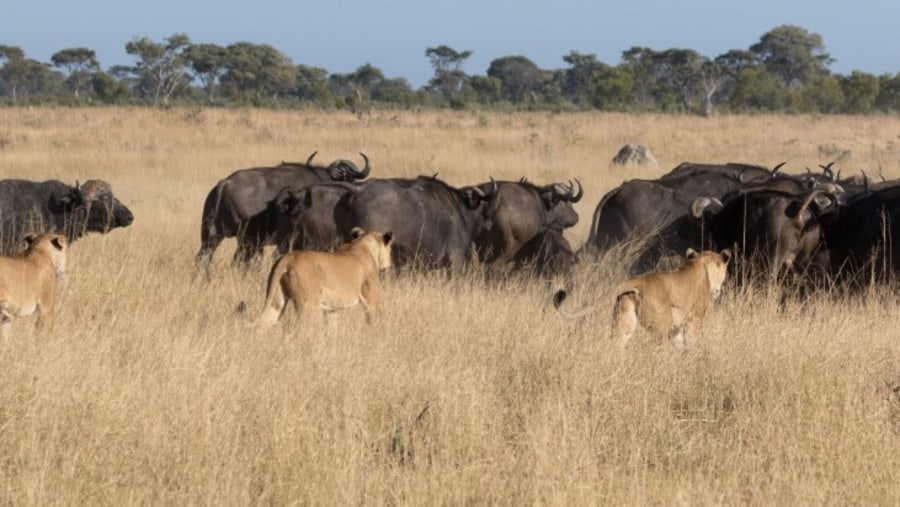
(237, 205)
(864, 238)
(53, 206)
(521, 211)
(433, 223)
(773, 232)
(306, 218)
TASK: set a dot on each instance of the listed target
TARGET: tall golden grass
(151, 390)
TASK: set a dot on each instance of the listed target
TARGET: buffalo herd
(811, 226)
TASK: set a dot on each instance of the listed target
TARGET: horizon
(857, 36)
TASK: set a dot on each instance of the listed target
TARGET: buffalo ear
(356, 232)
(388, 237)
(57, 243)
(691, 253)
(549, 199)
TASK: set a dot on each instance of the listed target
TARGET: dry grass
(151, 391)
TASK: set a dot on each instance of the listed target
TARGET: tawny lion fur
(664, 302)
(30, 282)
(319, 282)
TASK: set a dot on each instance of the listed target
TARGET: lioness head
(379, 242)
(52, 246)
(716, 266)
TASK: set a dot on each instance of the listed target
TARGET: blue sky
(341, 35)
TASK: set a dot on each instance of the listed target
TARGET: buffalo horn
(826, 169)
(576, 196)
(775, 169)
(365, 171)
(311, 157)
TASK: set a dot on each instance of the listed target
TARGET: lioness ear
(57, 243)
(691, 253)
(356, 232)
(388, 237)
(29, 238)
(726, 255)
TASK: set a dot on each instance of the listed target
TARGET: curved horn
(365, 170)
(826, 169)
(577, 195)
(309, 160)
(865, 181)
(775, 169)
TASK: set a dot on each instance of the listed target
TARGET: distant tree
(394, 91)
(256, 71)
(22, 78)
(613, 88)
(639, 61)
(208, 63)
(449, 79)
(366, 77)
(712, 78)
(823, 95)
(578, 83)
(160, 66)
(860, 92)
(340, 85)
(108, 89)
(888, 99)
(679, 70)
(795, 55)
(757, 90)
(14, 69)
(312, 84)
(80, 64)
(736, 60)
(488, 90)
(520, 78)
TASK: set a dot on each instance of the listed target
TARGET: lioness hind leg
(625, 319)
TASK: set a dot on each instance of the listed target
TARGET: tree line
(787, 70)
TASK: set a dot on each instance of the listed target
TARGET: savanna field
(151, 390)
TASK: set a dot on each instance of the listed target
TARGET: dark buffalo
(548, 253)
(657, 211)
(649, 213)
(53, 206)
(306, 218)
(236, 206)
(520, 211)
(433, 223)
(864, 239)
(771, 231)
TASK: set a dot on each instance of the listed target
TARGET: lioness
(665, 302)
(319, 282)
(29, 282)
